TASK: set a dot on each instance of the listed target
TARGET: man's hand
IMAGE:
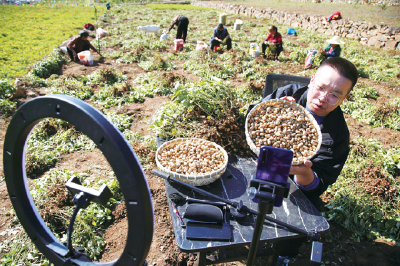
(301, 169)
(288, 98)
(74, 53)
(303, 174)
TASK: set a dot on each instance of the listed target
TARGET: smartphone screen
(274, 166)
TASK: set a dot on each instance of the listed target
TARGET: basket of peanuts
(195, 161)
(283, 124)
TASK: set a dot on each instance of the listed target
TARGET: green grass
(109, 90)
(376, 14)
(30, 33)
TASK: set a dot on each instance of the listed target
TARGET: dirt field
(339, 246)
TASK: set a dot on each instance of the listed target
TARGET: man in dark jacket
(182, 22)
(220, 35)
(329, 86)
(78, 44)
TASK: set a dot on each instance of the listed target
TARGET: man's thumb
(308, 163)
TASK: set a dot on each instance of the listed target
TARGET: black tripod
(266, 192)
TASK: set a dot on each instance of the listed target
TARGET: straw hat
(335, 40)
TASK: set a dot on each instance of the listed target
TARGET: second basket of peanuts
(195, 161)
(283, 124)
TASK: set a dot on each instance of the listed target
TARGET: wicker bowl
(258, 109)
(198, 180)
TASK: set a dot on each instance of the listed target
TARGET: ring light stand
(118, 153)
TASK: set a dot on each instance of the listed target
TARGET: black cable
(81, 201)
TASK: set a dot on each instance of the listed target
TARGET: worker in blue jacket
(220, 36)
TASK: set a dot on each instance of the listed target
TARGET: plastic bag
(100, 33)
(163, 37)
(310, 58)
(254, 50)
(237, 24)
(201, 46)
(86, 58)
(89, 26)
(291, 31)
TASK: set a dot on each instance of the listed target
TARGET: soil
(339, 246)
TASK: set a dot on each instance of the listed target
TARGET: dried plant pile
(227, 132)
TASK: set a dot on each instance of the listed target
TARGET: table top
(296, 210)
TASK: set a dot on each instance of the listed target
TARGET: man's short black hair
(84, 33)
(220, 26)
(344, 67)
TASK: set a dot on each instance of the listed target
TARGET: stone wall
(377, 35)
(360, 2)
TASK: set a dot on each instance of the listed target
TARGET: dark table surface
(296, 210)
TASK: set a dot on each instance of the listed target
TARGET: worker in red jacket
(274, 38)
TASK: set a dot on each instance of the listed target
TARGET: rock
(340, 22)
(382, 38)
(373, 32)
(397, 38)
(353, 36)
(394, 30)
(19, 93)
(328, 32)
(372, 41)
(390, 45)
(384, 30)
(379, 44)
(364, 34)
(371, 26)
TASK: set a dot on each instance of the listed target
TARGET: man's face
(336, 89)
(85, 38)
(220, 29)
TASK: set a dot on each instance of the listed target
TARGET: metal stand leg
(272, 260)
(263, 208)
(201, 259)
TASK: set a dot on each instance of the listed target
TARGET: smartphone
(274, 165)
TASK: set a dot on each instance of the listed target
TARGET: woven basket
(256, 110)
(193, 180)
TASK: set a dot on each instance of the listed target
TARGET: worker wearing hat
(221, 35)
(333, 49)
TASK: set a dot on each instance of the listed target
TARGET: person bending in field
(328, 88)
(182, 22)
(78, 44)
(274, 38)
(221, 36)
